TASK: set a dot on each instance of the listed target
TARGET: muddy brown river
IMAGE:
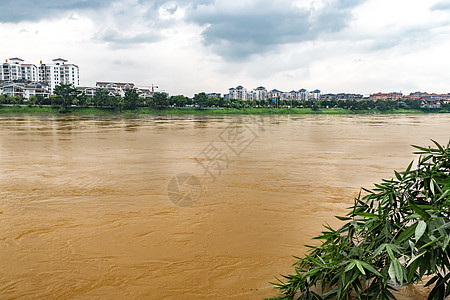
(86, 211)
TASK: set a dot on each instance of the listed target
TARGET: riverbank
(210, 111)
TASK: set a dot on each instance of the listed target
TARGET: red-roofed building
(386, 96)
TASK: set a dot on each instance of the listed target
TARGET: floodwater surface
(86, 212)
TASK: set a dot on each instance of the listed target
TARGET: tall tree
(179, 100)
(32, 101)
(131, 99)
(82, 100)
(101, 97)
(117, 103)
(201, 99)
(66, 94)
(40, 100)
(159, 101)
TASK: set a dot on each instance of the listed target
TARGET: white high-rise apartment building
(315, 95)
(29, 72)
(59, 71)
(303, 95)
(15, 69)
(260, 93)
(238, 93)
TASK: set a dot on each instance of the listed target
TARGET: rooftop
(115, 83)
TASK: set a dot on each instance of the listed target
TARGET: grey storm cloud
(441, 6)
(258, 27)
(119, 40)
(266, 24)
(14, 11)
(31, 10)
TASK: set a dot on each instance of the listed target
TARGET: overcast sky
(186, 47)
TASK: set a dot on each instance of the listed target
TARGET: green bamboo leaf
(390, 253)
(354, 276)
(432, 187)
(396, 268)
(431, 281)
(378, 250)
(426, 158)
(438, 145)
(366, 215)
(350, 266)
(408, 168)
(444, 226)
(411, 245)
(412, 270)
(420, 148)
(446, 242)
(445, 194)
(399, 271)
(420, 211)
(343, 218)
(391, 272)
(407, 233)
(425, 206)
(413, 216)
(420, 229)
(370, 268)
(361, 269)
(433, 240)
(414, 258)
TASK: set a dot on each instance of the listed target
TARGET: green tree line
(66, 96)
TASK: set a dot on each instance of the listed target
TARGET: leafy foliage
(201, 99)
(101, 98)
(396, 234)
(179, 100)
(159, 101)
(131, 99)
(65, 94)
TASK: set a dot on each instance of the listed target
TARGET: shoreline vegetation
(396, 234)
(25, 109)
(67, 99)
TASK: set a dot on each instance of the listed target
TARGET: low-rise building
(145, 93)
(213, 95)
(88, 91)
(117, 89)
(430, 102)
(386, 96)
(25, 90)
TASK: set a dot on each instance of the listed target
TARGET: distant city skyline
(15, 69)
(185, 47)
